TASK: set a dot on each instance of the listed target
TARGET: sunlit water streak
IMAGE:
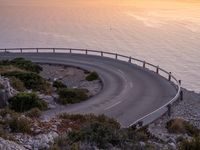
(164, 32)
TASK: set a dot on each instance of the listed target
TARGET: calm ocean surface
(163, 32)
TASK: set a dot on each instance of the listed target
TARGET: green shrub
(193, 144)
(22, 64)
(106, 120)
(91, 118)
(30, 80)
(4, 62)
(97, 132)
(17, 84)
(142, 134)
(34, 113)
(19, 124)
(26, 64)
(92, 76)
(100, 131)
(59, 84)
(71, 96)
(179, 125)
(26, 101)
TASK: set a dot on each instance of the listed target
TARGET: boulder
(172, 146)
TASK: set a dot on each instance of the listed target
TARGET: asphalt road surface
(129, 91)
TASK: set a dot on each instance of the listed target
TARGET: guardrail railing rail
(142, 121)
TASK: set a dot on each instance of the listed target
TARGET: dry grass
(17, 84)
(179, 125)
(10, 68)
(176, 125)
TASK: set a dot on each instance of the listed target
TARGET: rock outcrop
(6, 92)
(10, 145)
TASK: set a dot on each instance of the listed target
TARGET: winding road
(129, 91)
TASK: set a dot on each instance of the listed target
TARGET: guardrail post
(140, 124)
(86, 51)
(170, 76)
(116, 55)
(21, 50)
(37, 50)
(181, 95)
(169, 110)
(102, 54)
(5, 50)
(54, 50)
(179, 82)
(129, 60)
(157, 69)
(144, 64)
(70, 51)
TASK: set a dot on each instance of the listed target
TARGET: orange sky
(153, 13)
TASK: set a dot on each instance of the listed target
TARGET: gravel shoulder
(72, 77)
(187, 109)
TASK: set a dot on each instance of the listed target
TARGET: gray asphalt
(129, 91)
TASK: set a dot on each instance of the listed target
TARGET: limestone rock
(10, 145)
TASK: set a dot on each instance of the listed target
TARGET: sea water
(163, 32)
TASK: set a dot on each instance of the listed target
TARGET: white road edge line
(113, 105)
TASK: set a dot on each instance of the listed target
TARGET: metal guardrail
(142, 121)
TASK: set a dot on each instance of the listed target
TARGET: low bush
(97, 132)
(25, 101)
(4, 62)
(22, 64)
(31, 80)
(17, 84)
(193, 144)
(19, 124)
(59, 84)
(60, 142)
(179, 125)
(34, 113)
(9, 68)
(71, 96)
(26, 64)
(100, 131)
(92, 76)
(91, 118)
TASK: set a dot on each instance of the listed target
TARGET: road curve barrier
(148, 118)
